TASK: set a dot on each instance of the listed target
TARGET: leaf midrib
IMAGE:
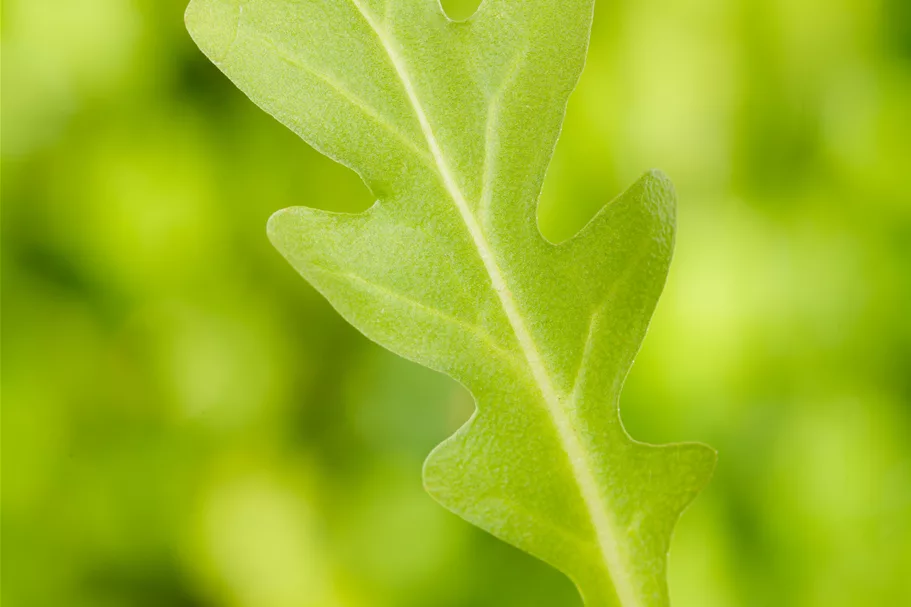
(597, 508)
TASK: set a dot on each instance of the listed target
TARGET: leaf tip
(660, 193)
(659, 183)
(275, 227)
(707, 458)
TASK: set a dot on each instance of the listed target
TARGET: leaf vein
(476, 330)
(587, 350)
(599, 514)
(352, 98)
(491, 141)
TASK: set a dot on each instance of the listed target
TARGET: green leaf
(451, 126)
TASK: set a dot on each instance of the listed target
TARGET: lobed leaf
(452, 125)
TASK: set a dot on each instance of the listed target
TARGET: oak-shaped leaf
(451, 125)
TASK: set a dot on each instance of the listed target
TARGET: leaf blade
(452, 125)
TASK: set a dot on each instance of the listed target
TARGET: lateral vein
(350, 97)
(477, 331)
(491, 142)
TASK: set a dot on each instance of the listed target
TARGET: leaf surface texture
(451, 125)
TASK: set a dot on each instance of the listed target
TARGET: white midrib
(581, 467)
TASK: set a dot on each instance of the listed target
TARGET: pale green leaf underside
(451, 126)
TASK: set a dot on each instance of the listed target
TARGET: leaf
(451, 126)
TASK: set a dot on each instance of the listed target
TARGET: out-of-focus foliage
(185, 422)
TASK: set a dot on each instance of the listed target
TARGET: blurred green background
(186, 423)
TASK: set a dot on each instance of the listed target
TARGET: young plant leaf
(451, 125)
